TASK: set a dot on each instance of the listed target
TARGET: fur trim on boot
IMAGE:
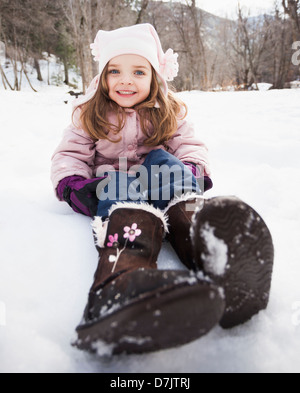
(100, 227)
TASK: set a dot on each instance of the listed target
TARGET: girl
(131, 160)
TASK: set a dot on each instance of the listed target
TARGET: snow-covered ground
(48, 257)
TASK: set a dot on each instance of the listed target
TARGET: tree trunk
(66, 71)
(141, 12)
(201, 58)
(291, 9)
(79, 13)
(4, 79)
(38, 69)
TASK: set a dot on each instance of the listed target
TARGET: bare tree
(251, 37)
(199, 48)
(292, 8)
(15, 35)
(79, 15)
(141, 10)
(27, 29)
(276, 58)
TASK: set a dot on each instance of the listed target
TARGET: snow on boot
(234, 247)
(132, 306)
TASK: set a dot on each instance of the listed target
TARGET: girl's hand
(80, 194)
(202, 180)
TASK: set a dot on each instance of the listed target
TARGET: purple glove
(208, 184)
(80, 194)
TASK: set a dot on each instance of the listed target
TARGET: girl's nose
(126, 80)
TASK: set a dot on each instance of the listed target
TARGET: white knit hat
(139, 40)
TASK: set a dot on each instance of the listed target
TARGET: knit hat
(139, 40)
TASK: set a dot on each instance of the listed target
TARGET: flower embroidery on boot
(113, 241)
(130, 233)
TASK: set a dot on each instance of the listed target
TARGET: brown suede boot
(180, 213)
(132, 306)
(228, 241)
(233, 246)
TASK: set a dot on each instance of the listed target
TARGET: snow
(262, 86)
(48, 256)
(216, 258)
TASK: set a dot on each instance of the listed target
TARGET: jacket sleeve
(188, 148)
(75, 155)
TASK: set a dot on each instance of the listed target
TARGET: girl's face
(129, 80)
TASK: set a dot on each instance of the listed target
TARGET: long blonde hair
(163, 119)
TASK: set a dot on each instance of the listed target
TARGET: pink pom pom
(169, 66)
(95, 50)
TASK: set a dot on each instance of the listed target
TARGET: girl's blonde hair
(163, 119)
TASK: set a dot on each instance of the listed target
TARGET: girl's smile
(126, 93)
(129, 79)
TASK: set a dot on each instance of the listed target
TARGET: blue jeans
(157, 181)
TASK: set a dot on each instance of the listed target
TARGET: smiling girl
(130, 139)
(129, 80)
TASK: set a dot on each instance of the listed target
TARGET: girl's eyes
(139, 73)
(115, 72)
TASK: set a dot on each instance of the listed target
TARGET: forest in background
(213, 51)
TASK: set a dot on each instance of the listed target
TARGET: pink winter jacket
(78, 154)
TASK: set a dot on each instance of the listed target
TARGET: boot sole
(164, 319)
(234, 247)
